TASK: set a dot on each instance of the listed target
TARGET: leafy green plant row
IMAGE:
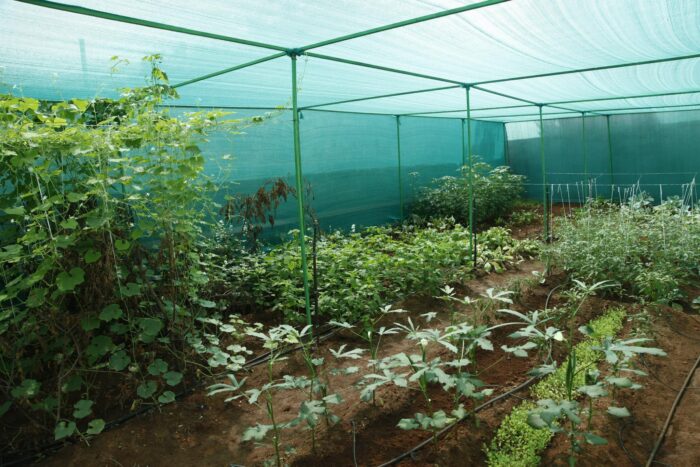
(649, 250)
(361, 272)
(517, 442)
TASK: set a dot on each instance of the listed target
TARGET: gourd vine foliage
(102, 209)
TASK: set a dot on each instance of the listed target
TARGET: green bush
(495, 192)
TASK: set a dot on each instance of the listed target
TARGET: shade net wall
(350, 161)
(656, 151)
(613, 57)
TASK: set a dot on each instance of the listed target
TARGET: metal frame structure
(294, 52)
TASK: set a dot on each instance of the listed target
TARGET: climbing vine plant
(102, 208)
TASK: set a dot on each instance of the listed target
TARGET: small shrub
(495, 192)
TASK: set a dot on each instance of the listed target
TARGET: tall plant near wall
(102, 207)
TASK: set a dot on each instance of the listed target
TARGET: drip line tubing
(448, 428)
(671, 413)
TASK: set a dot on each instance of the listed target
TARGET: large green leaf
(64, 430)
(83, 408)
(256, 432)
(67, 281)
(111, 312)
(92, 256)
(119, 360)
(95, 427)
(167, 397)
(173, 378)
(27, 389)
(158, 367)
(146, 389)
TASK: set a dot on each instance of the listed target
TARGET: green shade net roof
(53, 54)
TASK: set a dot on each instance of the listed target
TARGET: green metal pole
(544, 179)
(585, 151)
(230, 69)
(618, 98)
(300, 189)
(471, 173)
(381, 96)
(585, 70)
(610, 153)
(398, 153)
(506, 154)
(464, 147)
(408, 22)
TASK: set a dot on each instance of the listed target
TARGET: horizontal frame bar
(611, 115)
(146, 23)
(289, 109)
(585, 70)
(229, 70)
(638, 96)
(382, 68)
(359, 99)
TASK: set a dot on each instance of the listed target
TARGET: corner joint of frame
(293, 53)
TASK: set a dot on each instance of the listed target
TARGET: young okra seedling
(483, 307)
(450, 376)
(538, 336)
(310, 409)
(369, 332)
(272, 341)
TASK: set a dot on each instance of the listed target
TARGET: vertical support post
(585, 156)
(471, 174)
(544, 179)
(506, 155)
(398, 153)
(610, 153)
(464, 147)
(299, 187)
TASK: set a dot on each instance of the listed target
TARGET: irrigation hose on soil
(450, 427)
(671, 413)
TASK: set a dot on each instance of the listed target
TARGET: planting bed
(200, 427)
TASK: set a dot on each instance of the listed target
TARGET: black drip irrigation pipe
(671, 413)
(621, 442)
(24, 458)
(448, 428)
